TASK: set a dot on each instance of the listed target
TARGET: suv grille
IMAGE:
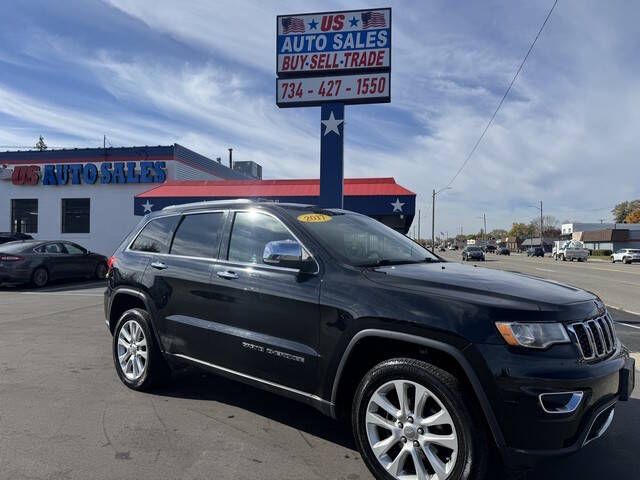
(596, 338)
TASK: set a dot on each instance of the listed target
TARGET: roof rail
(209, 202)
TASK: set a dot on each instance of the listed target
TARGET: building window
(76, 215)
(24, 215)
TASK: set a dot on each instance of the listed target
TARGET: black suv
(434, 362)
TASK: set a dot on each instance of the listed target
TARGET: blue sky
(201, 73)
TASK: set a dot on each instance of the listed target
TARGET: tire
(100, 272)
(468, 443)
(563, 258)
(40, 277)
(613, 260)
(155, 369)
(626, 261)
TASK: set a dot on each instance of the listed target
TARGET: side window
(52, 248)
(74, 249)
(156, 235)
(251, 232)
(198, 235)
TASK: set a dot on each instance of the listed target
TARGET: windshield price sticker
(367, 88)
(314, 218)
(334, 42)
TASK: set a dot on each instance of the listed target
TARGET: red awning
(353, 187)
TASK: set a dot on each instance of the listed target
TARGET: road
(65, 415)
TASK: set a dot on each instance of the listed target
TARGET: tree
(498, 233)
(633, 217)
(622, 210)
(522, 230)
(41, 145)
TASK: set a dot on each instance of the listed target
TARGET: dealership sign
(90, 173)
(312, 46)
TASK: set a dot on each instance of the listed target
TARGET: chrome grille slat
(595, 338)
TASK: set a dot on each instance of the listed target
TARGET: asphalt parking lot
(65, 415)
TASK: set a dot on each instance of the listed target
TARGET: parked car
(626, 255)
(6, 237)
(569, 250)
(442, 248)
(503, 251)
(490, 249)
(337, 310)
(38, 262)
(472, 253)
(535, 252)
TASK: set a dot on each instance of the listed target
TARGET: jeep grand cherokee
(434, 362)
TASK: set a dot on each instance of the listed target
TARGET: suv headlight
(532, 335)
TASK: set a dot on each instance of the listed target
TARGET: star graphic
(313, 24)
(147, 206)
(332, 124)
(397, 205)
(354, 22)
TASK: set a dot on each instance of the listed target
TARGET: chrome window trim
(219, 260)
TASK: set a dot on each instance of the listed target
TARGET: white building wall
(111, 207)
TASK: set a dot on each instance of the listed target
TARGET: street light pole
(433, 217)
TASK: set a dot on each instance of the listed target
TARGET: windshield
(362, 241)
(473, 249)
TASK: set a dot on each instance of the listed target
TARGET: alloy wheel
(132, 350)
(411, 432)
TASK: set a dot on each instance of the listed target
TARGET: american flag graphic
(292, 25)
(373, 20)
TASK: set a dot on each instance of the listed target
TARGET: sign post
(331, 155)
(333, 59)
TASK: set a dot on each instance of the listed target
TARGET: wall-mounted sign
(309, 91)
(90, 173)
(332, 42)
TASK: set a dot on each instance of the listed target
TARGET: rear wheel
(613, 260)
(40, 277)
(410, 423)
(101, 271)
(626, 261)
(137, 358)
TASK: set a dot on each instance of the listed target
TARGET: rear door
(76, 260)
(268, 319)
(181, 285)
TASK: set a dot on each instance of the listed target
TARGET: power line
(475, 147)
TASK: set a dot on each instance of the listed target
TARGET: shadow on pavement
(198, 385)
(613, 456)
(56, 286)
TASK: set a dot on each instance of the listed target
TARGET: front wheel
(100, 271)
(409, 421)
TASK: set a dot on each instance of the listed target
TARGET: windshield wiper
(385, 262)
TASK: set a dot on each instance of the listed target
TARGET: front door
(269, 323)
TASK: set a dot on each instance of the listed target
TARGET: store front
(85, 195)
(94, 197)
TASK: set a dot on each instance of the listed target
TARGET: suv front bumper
(532, 432)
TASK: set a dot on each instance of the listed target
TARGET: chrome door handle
(228, 275)
(159, 265)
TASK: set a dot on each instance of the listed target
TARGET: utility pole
(419, 218)
(541, 227)
(484, 217)
(433, 221)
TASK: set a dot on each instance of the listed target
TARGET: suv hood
(479, 285)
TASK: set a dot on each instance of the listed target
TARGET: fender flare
(147, 304)
(436, 345)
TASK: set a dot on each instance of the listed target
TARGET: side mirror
(288, 254)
